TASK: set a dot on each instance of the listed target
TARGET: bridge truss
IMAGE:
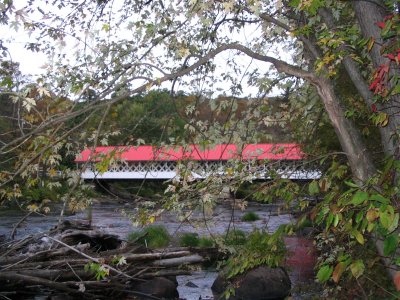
(295, 170)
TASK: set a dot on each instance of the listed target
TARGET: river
(107, 216)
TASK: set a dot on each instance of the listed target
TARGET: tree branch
(307, 43)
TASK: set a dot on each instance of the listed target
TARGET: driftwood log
(53, 264)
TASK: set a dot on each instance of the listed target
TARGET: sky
(30, 62)
(33, 63)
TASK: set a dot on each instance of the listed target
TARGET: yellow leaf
(371, 43)
(52, 172)
(229, 171)
(32, 207)
(385, 121)
(337, 273)
(149, 86)
(228, 6)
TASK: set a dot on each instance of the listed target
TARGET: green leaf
(379, 198)
(390, 244)
(394, 224)
(359, 198)
(324, 273)
(323, 211)
(351, 184)
(370, 227)
(336, 220)
(313, 188)
(359, 237)
(357, 268)
(294, 3)
(397, 261)
(396, 90)
(359, 217)
(6, 82)
(385, 219)
(329, 220)
(314, 6)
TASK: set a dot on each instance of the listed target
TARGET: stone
(260, 283)
(301, 258)
(173, 279)
(160, 287)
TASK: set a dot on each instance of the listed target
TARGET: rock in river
(159, 287)
(260, 283)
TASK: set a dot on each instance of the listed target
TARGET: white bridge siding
(199, 169)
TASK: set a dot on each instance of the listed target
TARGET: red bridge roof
(194, 152)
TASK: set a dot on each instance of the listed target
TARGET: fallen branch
(12, 276)
(165, 273)
(59, 269)
(14, 230)
(173, 262)
(42, 255)
(91, 258)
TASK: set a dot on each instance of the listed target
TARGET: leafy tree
(135, 46)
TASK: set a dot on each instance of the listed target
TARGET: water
(197, 285)
(107, 217)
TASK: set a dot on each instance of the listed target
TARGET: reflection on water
(107, 216)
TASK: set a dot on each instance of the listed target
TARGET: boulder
(301, 258)
(261, 283)
(160, 287)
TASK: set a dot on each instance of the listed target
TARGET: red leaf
(388, 17)
(390, 56)
(373, 84)
(373, 107)
(383, 69)
(381, 24)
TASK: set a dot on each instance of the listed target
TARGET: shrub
(260, 248)
(189, 240)
(235, 237)
(155, 236)
(205, 242)
(303, 222)
(250, 217)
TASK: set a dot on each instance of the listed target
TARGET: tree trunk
(359, 82)
(368, 14)
(360, 161)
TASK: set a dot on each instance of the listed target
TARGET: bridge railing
(296, 170)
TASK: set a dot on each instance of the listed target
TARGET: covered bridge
(151, 162)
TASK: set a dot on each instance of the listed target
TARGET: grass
(250, 217)
(205, 242)
(193, 240)
(235, 237)
(156, 236)
(189, 240)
